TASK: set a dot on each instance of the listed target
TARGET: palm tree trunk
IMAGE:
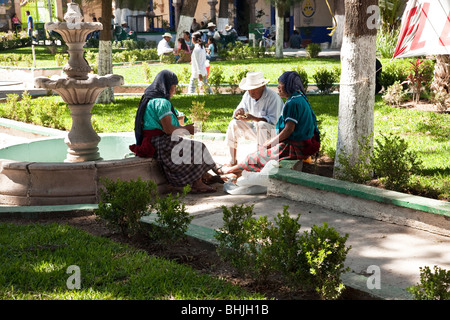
(357, 84)
(441, 80)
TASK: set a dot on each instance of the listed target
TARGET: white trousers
(194, 83)
(260, 131)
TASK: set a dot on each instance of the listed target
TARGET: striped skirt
(183, 160)
(285, 150)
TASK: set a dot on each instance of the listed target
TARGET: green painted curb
(195, 231)
(285, 173)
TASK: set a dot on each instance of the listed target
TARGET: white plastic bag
(252, 182)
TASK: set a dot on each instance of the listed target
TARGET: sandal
(210, 179)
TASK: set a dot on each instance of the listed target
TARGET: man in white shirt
(163, 45)
(256, 115)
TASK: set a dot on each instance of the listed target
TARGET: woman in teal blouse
(297, 134)
(158, 134)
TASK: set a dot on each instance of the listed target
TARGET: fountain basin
(35, 174)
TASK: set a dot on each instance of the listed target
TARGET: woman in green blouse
(158, 134)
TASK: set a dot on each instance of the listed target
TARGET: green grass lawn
(272, 68)
(35, 260)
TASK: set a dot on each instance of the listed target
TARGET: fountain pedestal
(80, 88)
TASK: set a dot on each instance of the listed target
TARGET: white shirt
(198, 61)
(163, 47)
(269, 106)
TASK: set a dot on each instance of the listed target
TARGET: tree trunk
(105, 65)
(339, 14)
(186, 17)
(279, 35)
(441, 80)
(222, 21)
(357, 84)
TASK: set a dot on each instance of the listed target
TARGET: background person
(211, 49)
(182, 52)
(255, 116)
(198, 65)
(30, 25)
(164, 47)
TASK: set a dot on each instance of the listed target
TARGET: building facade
(313, 18)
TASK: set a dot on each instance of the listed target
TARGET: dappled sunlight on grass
(35, 264)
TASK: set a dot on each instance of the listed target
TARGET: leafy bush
(303, 74)
(433, 285)
(395, 95)
(389, 160)
(172, 218)
(243, 241)
(386, 43)
(239, 73)
(46, 113)
(313, 261)
(325, 253)
(325, 78)
(216, 77)
(393, 163)
(123, 203)
(313, 50)
(392, 72)
(358, 169)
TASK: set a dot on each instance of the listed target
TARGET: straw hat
(167, 34)
(253, 80)
(211, 24)
(228, 27)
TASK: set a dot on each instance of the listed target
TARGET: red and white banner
(425, 29)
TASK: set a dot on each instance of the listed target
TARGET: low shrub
(395, 95)
(392, 72)
(123, 203)
(313, 50)
(393, 162)
(259, 248)
(389, 160)
(433, 285)
(172, 218)
(325, 78)
(325, 252)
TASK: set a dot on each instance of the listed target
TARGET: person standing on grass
(255, 116)
(158, 135)
(297, 134)
(198, 65)
(30, 25)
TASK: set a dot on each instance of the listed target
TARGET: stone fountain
(45, 171)
(80, 88)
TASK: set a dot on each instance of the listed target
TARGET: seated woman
(211, 49)
(157, 131)
(297, 134)
(182, 52)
